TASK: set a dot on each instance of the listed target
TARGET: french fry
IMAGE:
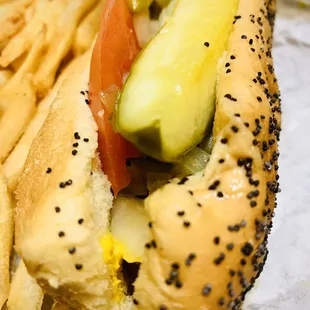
(14, 164)
(5, 76)
(48, 302)
(30, 64)
(62, 42)
(56, 10)
(88, 29)
(18, 100)
(25, 293)
(10, 30)
(17, 63)
(59, 306)
(18, 107)
(22, 42)
(12, 18)
(6, 239)
(15, 259)
(4, 307)
(29, 12)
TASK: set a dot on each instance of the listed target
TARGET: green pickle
(304, 4)
(168, 100)
(142, 5)
(138, 5)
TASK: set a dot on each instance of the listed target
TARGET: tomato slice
(115, 50)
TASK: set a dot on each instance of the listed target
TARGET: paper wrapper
(285, 281)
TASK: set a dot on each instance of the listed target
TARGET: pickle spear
(142, 5)
(168, 100)
(138, 5)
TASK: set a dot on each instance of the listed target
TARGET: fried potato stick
(88, 29)
(59, 306)
(48, 302)
(12, 18)
(17, 63)
(18, 100)
(6, 239)
(14, 164)
(56, 8)
(5, 76)
(62, 42)
(29, 65)
(44, 13)
(25, 292)
(17, 109)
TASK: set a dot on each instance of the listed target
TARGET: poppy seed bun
(201, 229)
(209, 231)
(64, 201)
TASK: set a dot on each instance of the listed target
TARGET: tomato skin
(115, 50)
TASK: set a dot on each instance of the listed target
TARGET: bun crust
(204, 231)
(209, 231)
(64, 201)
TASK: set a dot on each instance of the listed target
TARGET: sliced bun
(209, 231)
(64, 201)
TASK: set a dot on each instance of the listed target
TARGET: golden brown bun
(64, 202)
(210, 233)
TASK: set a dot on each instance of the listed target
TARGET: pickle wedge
(138, 5)
(169, 97)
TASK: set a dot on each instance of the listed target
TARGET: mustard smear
(112, 256)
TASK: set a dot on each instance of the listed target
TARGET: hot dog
(194, 240)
